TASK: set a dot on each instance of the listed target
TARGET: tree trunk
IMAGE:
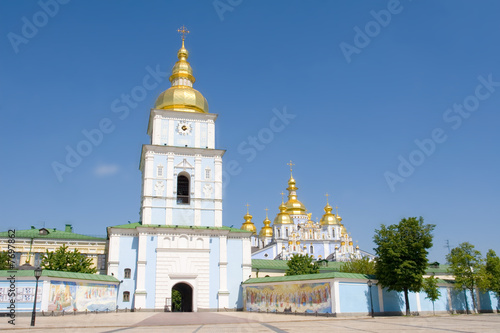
(474, 305)
(407, 302)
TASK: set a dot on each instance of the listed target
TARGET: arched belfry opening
(182, 297)
(183, 189)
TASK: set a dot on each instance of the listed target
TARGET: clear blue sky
(357, 111)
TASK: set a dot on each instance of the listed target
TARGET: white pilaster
(197, 134)
(211, 135)
(197, 189)
(171, 132)
(247, 259)
(156, 135)
(218, 191)
(113, 255)
(140, 291)
(223, 293)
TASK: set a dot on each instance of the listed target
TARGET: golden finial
(266, 212)
(337, 209)
(282, 197)
(247, 208)
(182, 30)
(290, 164)
(327, 195)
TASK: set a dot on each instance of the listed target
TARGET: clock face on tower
(184, 128)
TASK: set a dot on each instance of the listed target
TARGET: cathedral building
(294, 232)
(180, 242)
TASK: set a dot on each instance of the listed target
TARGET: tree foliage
(466, 264)
(4, 260)
(67, 261)
(402, 255)
(361, 266)
(176, 300)
(431, 289)
(300, 264)
(490, 274)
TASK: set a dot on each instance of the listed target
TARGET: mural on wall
(69, 296)
(305, 297)
(22, 295)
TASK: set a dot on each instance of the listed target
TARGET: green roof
(59, 274)
(53, 234)
(331, 266)
(282, 265)
(139, 224)
(317, 276)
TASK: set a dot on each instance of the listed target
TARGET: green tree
(431, 289)
(300, 264)
(361, 266)
(67, 261)
(176, 300)
(466, 264)
(402, 255)
(4, 260)
(490, 274)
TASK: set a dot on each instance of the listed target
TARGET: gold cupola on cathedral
(248, 224)
(282, 217)
(267, 230)
(328, 218)
(181, 96)
(293, 205)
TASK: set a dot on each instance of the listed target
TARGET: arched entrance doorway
(182, 297)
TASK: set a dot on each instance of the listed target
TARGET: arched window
(286, 232)
(182, 190)
(278, 232)
(126, 273)
(311, 249)
(126, 296)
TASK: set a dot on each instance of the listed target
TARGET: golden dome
(343, 230)
(267, 230)
(283, 217)
(293, 206)
(328, 218)
(181, 96)
(248, 224)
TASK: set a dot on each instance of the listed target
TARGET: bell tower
(181, 169)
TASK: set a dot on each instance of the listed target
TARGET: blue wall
(128, 259)
(355, 297)
(214, 271)
(235, 272)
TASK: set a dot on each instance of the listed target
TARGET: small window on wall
(207, 173)
(126, 296)
(126, 273)
(160, 171)
(101, 261)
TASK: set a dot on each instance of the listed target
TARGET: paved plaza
(237, 322)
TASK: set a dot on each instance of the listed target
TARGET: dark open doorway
(182, 298)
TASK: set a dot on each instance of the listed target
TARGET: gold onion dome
(181, 96)
(293, 206)
(248, 224)
(267, 230)
(283, 217)
(328, 218)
